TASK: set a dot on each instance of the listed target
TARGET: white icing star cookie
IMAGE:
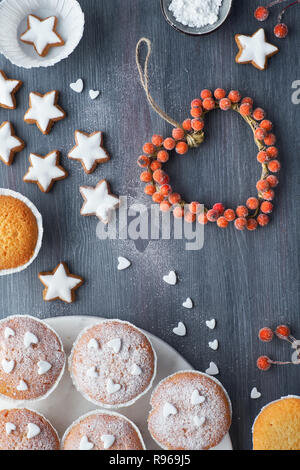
(8, 88)
(60, 284)
(254, 49)
(10, 144)
(41, 33)
(44, 171)
(89, 150)
(44, 110)
(98, 201)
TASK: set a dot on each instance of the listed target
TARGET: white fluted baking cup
(13, 22)
(9, 192)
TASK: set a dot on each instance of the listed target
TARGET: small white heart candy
(199, 420)
(115, 345)
(170, 278)
(8, 332)
(32, 430)
(135, 370)
(255, 393)
(180, 330)
(108, 440)
(196, 398)
(92, 373)
(94, 94)
(211, 324)
(77, 86)
(111, 387)
(213, 369)
(8, 366)
(188, 303)
(10, 427)
(123, 263)
(169, 409)
(214, 344)
(93, 344)
(43, 367)
(22, 387)
(85, 444)
(30, 338)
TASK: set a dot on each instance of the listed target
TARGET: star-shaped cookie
(9, 143)
(99, 201)
(254, 49)
(41, 33)
(44, 110)
(88, 150)
(8, 88)
(44, 171)
(60, 284)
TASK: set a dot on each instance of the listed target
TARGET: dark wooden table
(244, 280)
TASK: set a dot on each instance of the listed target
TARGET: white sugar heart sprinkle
(77, 86)
(8, 332)
(108, 440)
(211, 324)
(22, 387)
(188, 303)
(85, 444)
(169, 409)
(123, 263)
(94, 94)
(214, 344)
(32, 430)
(111, 387)
(170, 278)
(199, 420)
(180, 330)
(92, 373)
(196, 398)
(10, 427)
(43, 367)
(115, 345)
(29, 339)
(255, 393)
(135, 370)
(213, 369)
(93, 344)
(7, 366)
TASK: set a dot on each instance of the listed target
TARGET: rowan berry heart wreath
(190, 134)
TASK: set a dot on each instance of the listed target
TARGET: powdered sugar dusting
(196, 13)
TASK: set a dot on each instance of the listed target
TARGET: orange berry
(169, 143)
(187, 125)
(208, 104)
(148, 148)
(149, 189)
(212, 215)
(222, 222)
(219, 93)
(274, 166)
(158, 176)
(182, 148)
(157, 140)
(240, 223)
(270, 139)
(266, 207)
(262, 185)
(260, 133)
(281, 30)
(241, 211)
(165, 190)
(178, 133)
(261, 13)
(225, 104)
(258, 114)
(146, 176)
(174, 198)
(157, 197)
(162, 156)
(189, 217)
(155, 165)
(265, 334)
(251, 224)
(178, 212)
(245, 109)
(196, 103)
(196, 112)
(194, 207)
(248, 100)
(272, 152)
(206, 94)
(282, 331)
(197, 124)
(143, 161)
(263, 219)
(202, 218)
(234, 96)
(165, 206)
(252, 203)
(272, 180)
(266, 124)
(219, 207)
(269, 195)
(262, 156)
(263, 363)
(229, 215)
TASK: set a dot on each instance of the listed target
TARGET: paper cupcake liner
(117, 405)
(13, 22)
(20, 403)
(103, 412)
(9, 192)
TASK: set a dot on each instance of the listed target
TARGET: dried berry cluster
(262, 13)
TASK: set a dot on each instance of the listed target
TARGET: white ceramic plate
(65, 404)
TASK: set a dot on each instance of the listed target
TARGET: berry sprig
(191, 134)
(262, 13)
(282, 332)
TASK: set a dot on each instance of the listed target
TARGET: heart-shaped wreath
(190, 134)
